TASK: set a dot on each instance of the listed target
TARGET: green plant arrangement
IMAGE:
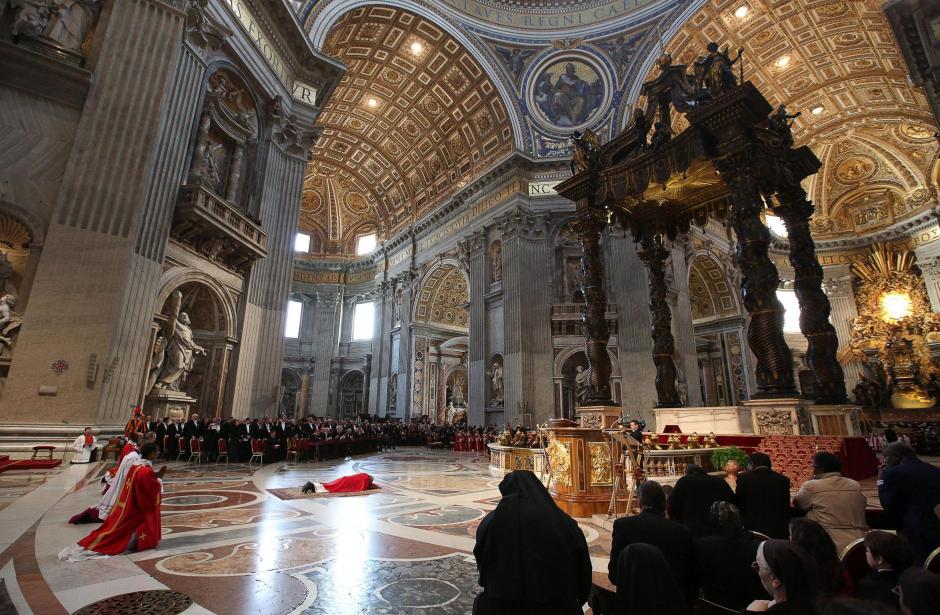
(721, 456)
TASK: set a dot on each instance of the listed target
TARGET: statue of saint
(181, 348)
(717, 73)
(582, 385)
(70, 22)
(10, 321)
(6, 277)
(496, 261)
(157, 358)
(496, 380)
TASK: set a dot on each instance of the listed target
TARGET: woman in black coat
(532, 557)
(724, 559)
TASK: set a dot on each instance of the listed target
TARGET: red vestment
(347, 484)
(137, 512)
(130, 446)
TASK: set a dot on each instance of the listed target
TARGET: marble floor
(239, 540)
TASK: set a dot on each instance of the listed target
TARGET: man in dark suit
(651, 526)
(193, 427)
(909, 490)
(694, 495)
(763, 497)
(161, 431)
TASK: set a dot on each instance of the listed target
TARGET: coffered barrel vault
(414, 119)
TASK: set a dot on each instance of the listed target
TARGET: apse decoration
(893, 327)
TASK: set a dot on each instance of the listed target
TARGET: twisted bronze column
(759, 279)
(654, 255)
(590, 222)
(795, 211)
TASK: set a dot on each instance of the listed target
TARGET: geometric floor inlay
(442, 585)
(152, 602)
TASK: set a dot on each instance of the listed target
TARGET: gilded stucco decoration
(600, 463)
(895, 323)
(710, 293)
(414, 115)
(443, 297)
(838, 65)
(559, 459)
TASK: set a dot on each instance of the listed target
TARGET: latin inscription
(518, 19)
(545, 188)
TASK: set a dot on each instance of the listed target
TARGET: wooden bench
(45, 449)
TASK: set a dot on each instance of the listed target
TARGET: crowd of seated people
(707, 549)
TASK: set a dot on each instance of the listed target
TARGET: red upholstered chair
(853, 559)
(166, 447)
(293, 449)
(195, 449)
(223, 451)
(932, 563)
(181, 445)
(257, 451)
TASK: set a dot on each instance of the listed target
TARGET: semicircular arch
(173, 279)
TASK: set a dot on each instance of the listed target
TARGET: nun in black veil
(532, 557)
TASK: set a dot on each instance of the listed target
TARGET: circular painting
(568, 92)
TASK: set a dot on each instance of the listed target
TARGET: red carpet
(27, 464)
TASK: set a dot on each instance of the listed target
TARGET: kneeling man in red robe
(344, 484)
(134, 523)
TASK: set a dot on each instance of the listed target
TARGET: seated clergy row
(533, 558)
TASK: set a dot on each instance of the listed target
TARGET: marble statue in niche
(7, 287)
(181, 349)
(582, 387)
(67, 23)
(496, 381)
(156, 361)
(496, 260)
(10, 322)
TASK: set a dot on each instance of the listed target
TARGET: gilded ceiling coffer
(736, 157)
(654, 254)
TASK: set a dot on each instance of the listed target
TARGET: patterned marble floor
(237, 540)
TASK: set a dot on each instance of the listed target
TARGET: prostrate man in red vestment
(134, 523)
(344, 484)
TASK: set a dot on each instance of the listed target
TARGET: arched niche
(564, 370)
(20, 249)
(211, 311)
(567, 255)
(225, 157)
(290, 387)
(351, 387)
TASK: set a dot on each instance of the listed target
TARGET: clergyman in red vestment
(344, 484)
(134, 523)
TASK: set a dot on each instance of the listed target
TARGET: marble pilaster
(527, 367)
(682, 329)
(629, 289)
(477, 366)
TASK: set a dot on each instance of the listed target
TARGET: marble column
(408, 282)
(381, 345)
(527, 357)
(654, 255)
(682, 329)
(325, 333)
(629, 290)
(760, 280)
(795, 210)
(126, 159)
(590, 223)
(474, 251)
(928, 260)
(838, 286)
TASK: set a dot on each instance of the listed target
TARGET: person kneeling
(134, 523)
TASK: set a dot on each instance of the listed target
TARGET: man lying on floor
(134, 522)
(344, 484)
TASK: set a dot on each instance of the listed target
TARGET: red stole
(137, 510)
(346, 484)
(89, 439)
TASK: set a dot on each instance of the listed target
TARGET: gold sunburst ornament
(894, 319)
